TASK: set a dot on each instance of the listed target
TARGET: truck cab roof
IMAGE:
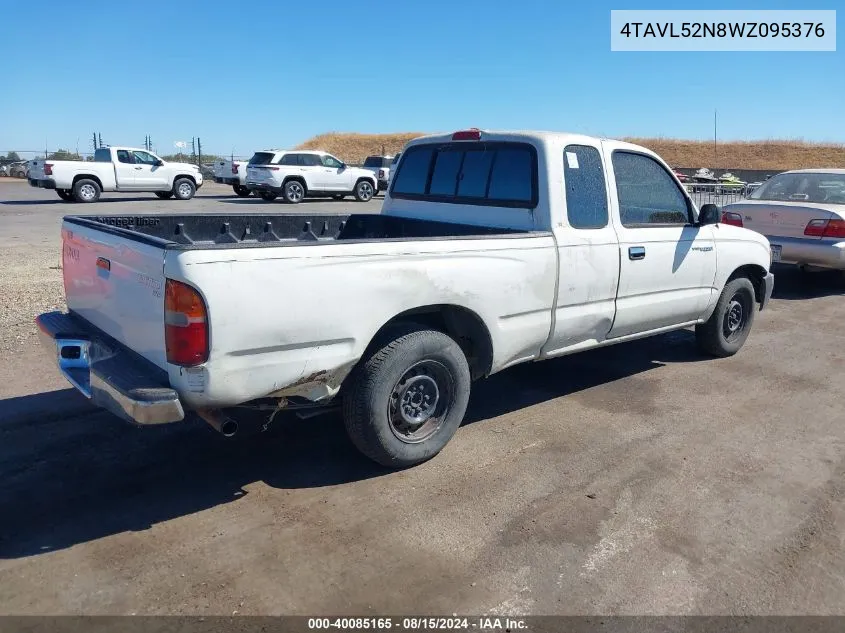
(534, 137)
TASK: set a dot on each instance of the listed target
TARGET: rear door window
(493, 174)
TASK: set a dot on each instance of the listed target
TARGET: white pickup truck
(115, 169)
(492, 249)
(232, 172)
(380, 166)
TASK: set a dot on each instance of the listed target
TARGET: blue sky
(248, 75)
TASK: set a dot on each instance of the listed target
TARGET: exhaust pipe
(219, 421)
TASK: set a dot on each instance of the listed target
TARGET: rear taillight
(185, 325)
(825, 228)
(235, 168)
(734, 219)
(381, 174)
(48, 169)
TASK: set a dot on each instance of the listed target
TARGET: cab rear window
(492, 174)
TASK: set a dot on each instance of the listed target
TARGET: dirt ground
(638, 479)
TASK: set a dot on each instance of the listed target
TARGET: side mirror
(159, 163)
(709, 214)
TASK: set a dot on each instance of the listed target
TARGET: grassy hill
(766, 154)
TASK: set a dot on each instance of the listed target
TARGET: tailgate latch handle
(103, 263)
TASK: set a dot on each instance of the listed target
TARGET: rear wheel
(294, 192)
(164, 195)
(407, 399)
(364, 191)
(241, 191)
(184, 189)
(728, 327)
(65, 194)
(267, 196)
(85, 190)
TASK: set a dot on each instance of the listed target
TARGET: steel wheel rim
(87, 192)
(736, 317)
(365, 190)
(184, 190)
(420, 401)
(294, 192)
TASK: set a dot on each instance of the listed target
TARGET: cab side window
(648, 195)
(586, 195)
(125, 157)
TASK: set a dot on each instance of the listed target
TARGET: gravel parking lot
(636, 479)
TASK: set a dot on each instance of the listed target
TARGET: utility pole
(714, 139)
(199, 152)
(101, 139)
(94, 138)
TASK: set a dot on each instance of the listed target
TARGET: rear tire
(364, 191)
(241, 191)
(86, 190)
(184, 189)
(267, 196)
(727, 329)
(164, 195)
(406, 400)
(294, 192)
(65, 194)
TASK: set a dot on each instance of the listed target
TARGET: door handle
(636, 252)
(137, 169)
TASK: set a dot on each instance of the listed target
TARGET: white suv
(297, 174)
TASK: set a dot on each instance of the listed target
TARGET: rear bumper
(44, 183)
(227, 181)
(264, 186)
(109, 374)
(813, 252)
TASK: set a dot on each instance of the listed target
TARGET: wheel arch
(93, 177)
(463, 325)
(755, 274)
(180, 176)
(297, 178)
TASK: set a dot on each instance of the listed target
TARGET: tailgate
(220, 169)
(36, 169)
(260, 173)
(116, 284)
(779, 219)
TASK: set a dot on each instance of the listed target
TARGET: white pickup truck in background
(380, 166)
(232, 172)
(492, 249)
(115, 169)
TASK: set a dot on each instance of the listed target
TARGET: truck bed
(185, 232)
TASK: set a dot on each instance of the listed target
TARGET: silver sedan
(802, 213)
